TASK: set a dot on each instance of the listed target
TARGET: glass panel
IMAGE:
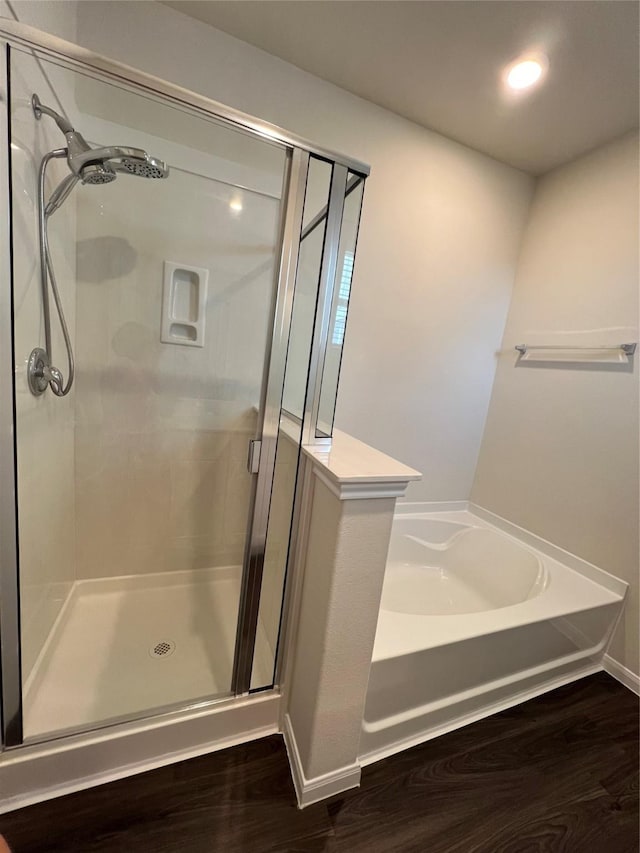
(134, 494)
(306, 292)
(276, 552)
(339, 306)
(316, 192)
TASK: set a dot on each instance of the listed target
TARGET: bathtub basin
(474, 619)
(440, 567)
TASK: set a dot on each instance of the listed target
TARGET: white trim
(625, 676)
(486, 710)
(310, 791)
(32, 774)
(351, 469)
(364, 490)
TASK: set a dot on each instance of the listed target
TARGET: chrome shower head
(94, 173)
(116, 158)
(149, 167)
(96, 165)
(97, 173)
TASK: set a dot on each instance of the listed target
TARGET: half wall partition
(146, 512)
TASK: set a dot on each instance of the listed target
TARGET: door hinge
(253, 457)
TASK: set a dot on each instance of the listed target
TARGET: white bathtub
(474, 619)
(447, 568)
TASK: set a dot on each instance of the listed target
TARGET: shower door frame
(298, 153)
(296, 171)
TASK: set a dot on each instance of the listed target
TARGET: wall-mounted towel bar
(620, 353)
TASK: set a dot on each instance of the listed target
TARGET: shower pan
(146, 497)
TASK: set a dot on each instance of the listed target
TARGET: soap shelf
(184, 301)
(619, 354)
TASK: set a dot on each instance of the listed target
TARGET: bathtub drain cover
(163, 649)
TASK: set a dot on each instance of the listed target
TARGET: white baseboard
(313, 790)
(622, 674)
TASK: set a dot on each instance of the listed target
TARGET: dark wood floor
(559, 773)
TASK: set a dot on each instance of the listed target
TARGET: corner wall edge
(309, 791)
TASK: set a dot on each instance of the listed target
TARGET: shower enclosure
(154, 336)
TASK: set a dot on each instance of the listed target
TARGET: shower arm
(39, 109)
(44, 371)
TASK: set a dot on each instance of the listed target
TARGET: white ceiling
(438, 63)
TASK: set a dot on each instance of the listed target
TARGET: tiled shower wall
(162, 429)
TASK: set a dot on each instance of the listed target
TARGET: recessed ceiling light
(236, 204)
(525, 73)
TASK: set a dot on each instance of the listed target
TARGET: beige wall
(560, 450)
(437, 249)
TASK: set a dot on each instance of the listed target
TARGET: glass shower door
(134, 495)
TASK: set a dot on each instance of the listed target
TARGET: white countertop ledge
(353, 470)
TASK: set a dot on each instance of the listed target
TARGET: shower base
(128, 645)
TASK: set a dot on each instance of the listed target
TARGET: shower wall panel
(162, 429)
(44, 425)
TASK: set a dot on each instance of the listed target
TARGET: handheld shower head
(97, 173)
(94, 173)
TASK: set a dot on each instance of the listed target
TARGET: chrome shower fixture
(99, 165)
(88, 166)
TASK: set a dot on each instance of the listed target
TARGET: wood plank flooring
(558, 774)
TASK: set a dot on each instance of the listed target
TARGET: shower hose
(48, 278)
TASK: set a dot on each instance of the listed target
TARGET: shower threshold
(125, 645)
